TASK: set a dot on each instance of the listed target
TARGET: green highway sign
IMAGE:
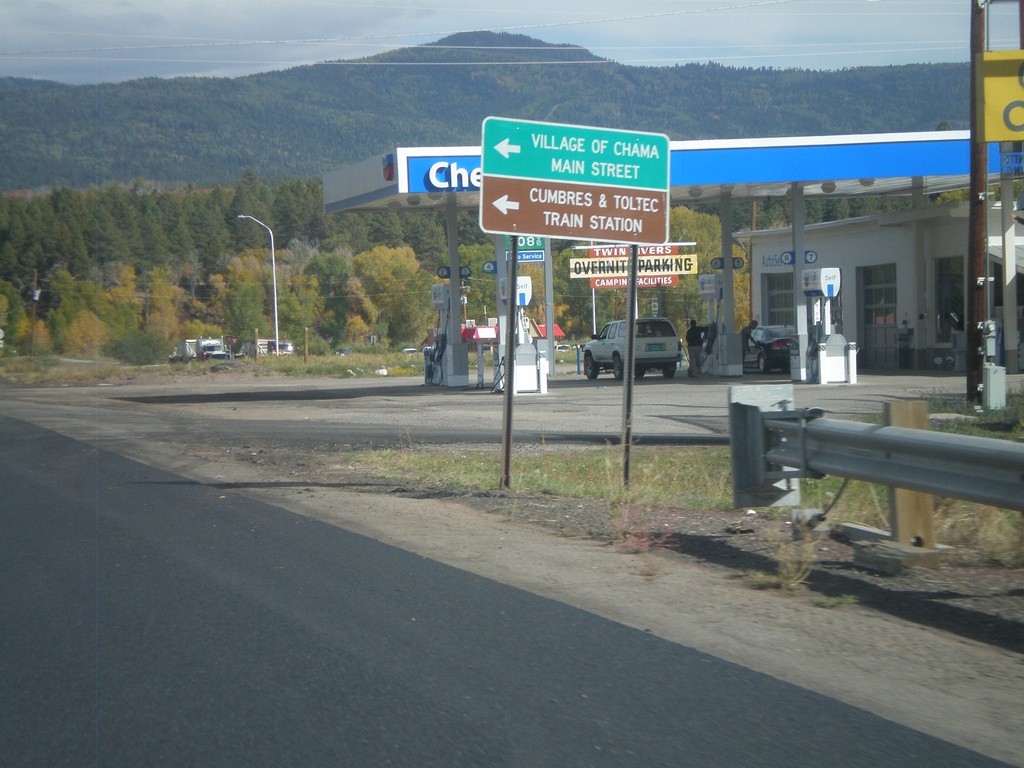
(574, 181)
(558, 152)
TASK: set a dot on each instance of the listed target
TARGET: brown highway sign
(573, 211)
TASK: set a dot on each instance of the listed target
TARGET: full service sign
(529, 248)
(574, 182)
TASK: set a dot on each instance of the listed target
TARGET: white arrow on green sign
(574, 181)
(559, 152)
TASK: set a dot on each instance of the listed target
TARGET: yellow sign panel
(646, 266)
(1003, 108)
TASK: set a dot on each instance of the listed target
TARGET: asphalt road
(330, 413)
(151, 620)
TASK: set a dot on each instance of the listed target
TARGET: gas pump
(712, 290)
(531, 373)
(831, 359)
(433, 358)
(993, 377)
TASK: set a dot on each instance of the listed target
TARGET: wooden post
(910, 512)
(305, 348)
(35, 301)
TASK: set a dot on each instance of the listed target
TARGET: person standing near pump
(746, 334)
(694, 347)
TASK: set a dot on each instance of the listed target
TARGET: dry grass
(992, 536)
(981, 534)
(45, 369)
(796, 556)
(50, 369)
(665, 479)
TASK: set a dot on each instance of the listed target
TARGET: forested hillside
(308, 120)
(120, 202)
(125, 270)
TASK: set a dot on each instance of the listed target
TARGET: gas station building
(901, 304)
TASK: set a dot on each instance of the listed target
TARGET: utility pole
(977, 226)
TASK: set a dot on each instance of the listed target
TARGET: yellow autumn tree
(123, 309)
(28, 342)
(86, 335)
(162, 305)
(398, 287)
(356, 329)
(687, 225)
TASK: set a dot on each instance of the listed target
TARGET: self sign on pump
(821, 282)
(524, 290)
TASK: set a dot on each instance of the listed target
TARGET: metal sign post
(573, 182)
(627, 380)
(509, 365)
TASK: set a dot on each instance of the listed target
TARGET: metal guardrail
(978, 469)
(774, 444)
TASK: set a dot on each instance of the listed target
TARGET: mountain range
(305, 121)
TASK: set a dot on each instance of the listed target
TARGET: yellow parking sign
(1003, 108)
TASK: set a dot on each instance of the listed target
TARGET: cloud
(82, 41)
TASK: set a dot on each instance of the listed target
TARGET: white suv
(657, 346)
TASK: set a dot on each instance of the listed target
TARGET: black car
(768, 348)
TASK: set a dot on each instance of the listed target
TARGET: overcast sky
(89, 41)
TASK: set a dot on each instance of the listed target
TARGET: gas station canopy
(700, 171)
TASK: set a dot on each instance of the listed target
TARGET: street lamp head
(273, 272)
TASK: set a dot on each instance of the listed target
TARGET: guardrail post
(910, 512)
(747, 439)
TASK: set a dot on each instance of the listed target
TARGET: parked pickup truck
(657, 346)
(199, 349)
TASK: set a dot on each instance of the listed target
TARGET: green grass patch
(355, 365)
(691, 478)
(1000, 423)
(837, 601)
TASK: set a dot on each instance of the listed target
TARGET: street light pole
(273, 272)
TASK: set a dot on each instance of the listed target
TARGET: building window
(779, 295)
(949, 298)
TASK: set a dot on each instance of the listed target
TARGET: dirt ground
(939, 651)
